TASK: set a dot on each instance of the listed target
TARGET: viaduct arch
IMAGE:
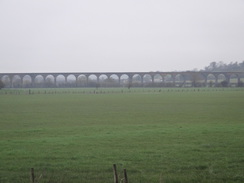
(112, 79)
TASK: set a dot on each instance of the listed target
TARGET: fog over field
(113, 36)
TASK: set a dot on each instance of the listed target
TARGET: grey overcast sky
(119, 35)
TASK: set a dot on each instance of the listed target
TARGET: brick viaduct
(159, 78)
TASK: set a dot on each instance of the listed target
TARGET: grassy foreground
(165, 136)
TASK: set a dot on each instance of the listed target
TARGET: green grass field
(169, 135)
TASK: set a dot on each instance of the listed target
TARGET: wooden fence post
(115, 174)
(125, 176)
(32, 176)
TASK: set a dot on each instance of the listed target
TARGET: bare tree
(1, 84)
(195, 80)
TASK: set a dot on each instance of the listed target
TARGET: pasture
(158, 135)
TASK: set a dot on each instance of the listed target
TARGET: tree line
(221, 66)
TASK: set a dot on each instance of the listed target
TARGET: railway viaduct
(130, 78)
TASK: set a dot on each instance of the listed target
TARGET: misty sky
(119, 35)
